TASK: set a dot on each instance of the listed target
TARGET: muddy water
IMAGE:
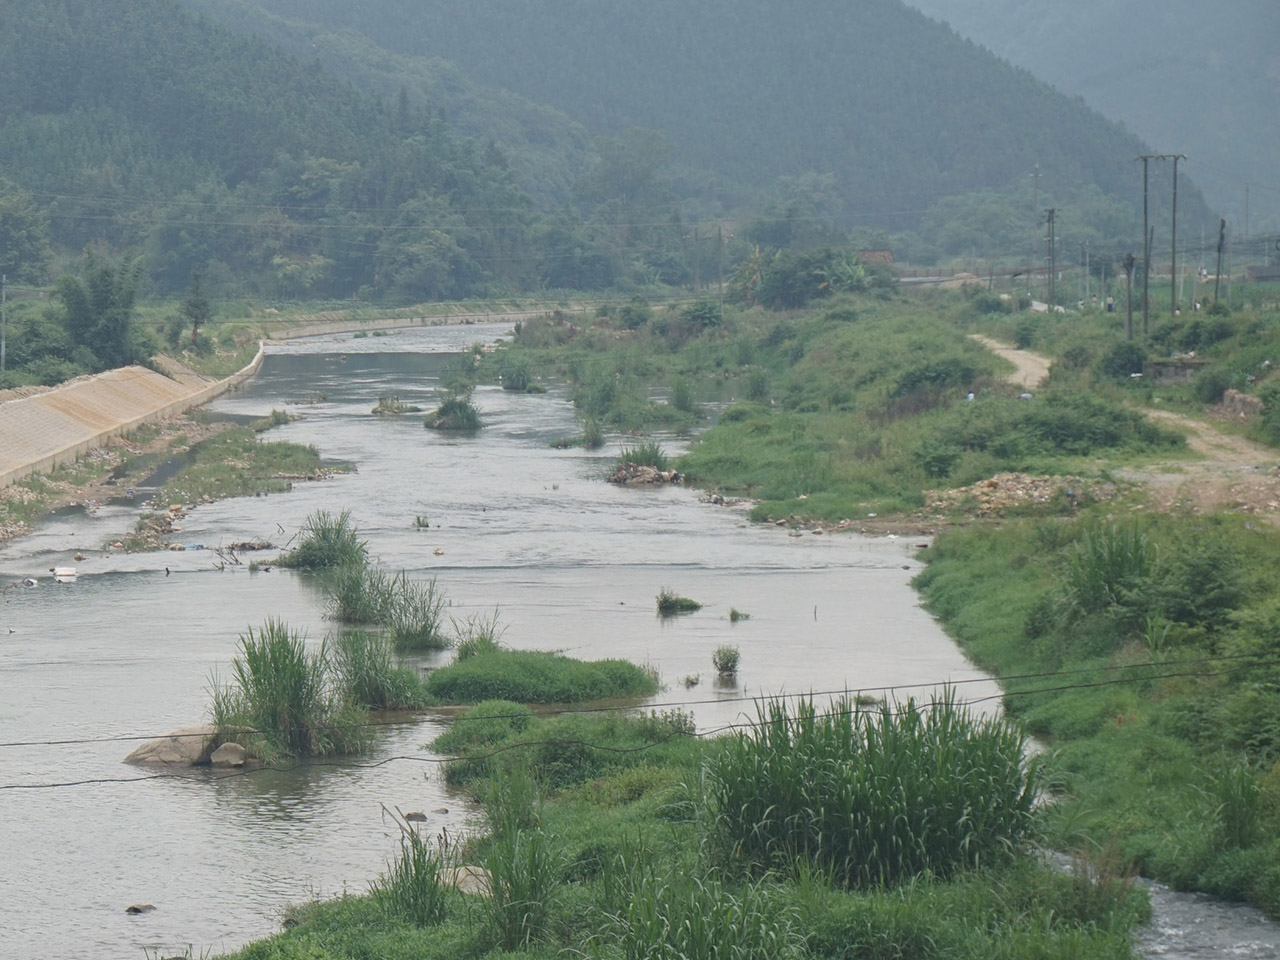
(570, 562)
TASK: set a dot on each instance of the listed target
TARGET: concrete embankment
(44, 431)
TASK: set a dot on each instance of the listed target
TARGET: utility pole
(1053, 263)
(697, 265)
(1146, 244)
(1128, 283)
(4, 316)
(1173, 257)
(1246, 215)
(1222, 240)
(1035, 212)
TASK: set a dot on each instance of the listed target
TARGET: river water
(569, 562)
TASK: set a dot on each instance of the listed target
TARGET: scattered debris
(1007, 491)
(636, 474)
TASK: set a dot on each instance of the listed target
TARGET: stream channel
(571, 563)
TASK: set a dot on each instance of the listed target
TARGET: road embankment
(44, 431)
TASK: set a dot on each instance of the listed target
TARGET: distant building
(1265, 274)
(876, 256)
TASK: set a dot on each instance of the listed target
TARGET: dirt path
(1032, 368)
(1233, 473)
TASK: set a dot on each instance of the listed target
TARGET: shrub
(870, 798)
(516, 373)
(328, 541)
(1104, 569)
(1211, 384)
(1123, 360)
(670, 603)
(682, 395)
(758, 385)
(725, 659)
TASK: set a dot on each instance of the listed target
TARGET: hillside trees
(98, 308)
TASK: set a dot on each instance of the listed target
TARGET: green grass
(236, 464)
(415, 887)
(529, 676)
(602, 851)
(328, 541)
(412, 612)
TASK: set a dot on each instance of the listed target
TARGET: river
(569, 562)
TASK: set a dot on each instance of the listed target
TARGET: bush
(758, 385)
(1123, 360)
(1211, 384)
(870, 799)
(725, 659)
(327, 541)
(516, 373)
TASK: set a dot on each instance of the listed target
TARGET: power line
(1256, 661)
(571, 741)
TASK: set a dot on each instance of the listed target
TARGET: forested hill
(547, 150)
(896, 105)
(1187, 77)
(141, 124)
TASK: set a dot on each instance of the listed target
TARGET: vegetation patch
(871, 799)
(671, 603)
(528, 676)
(1165, 728)
(455, 413)
(328, 541)
(284, 702)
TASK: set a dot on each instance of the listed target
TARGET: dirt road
(1232, 473)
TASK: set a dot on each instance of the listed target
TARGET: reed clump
(367, 673)
(455, 413)
(647, 454)
(870, 799)
(284, 700)
(412, 612)
(416, 885)
(328, 540)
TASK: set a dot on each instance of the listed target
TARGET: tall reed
(283, 699)
(870, 798)
(524, 869)
(1105, 567)
(368, 675)
(415, 887)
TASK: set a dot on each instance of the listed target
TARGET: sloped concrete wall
(44, 431)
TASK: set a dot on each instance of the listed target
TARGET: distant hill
(1187, 77)
(547, 150)
(898, 107)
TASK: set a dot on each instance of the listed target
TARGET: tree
(99, 306)
(24, 235)
(196, 307)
